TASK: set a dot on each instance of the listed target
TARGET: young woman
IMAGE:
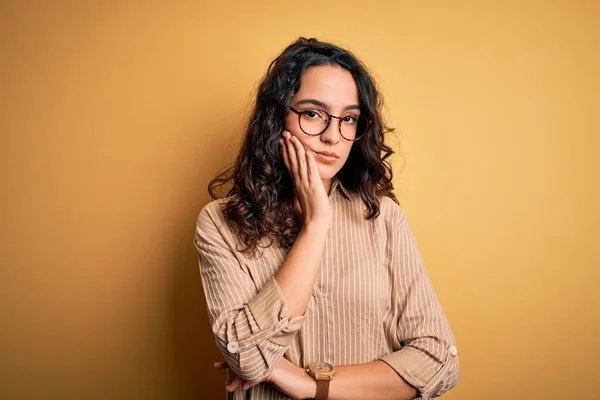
(314, 283)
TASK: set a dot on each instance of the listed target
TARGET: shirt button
(453, 351)
(232, 347)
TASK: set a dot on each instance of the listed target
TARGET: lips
(328, 154)
(327, 157)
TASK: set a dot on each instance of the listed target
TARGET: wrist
(310, 391)
(316, 227)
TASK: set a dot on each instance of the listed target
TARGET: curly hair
(261, 200)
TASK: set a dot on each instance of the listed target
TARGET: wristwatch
(322, 372)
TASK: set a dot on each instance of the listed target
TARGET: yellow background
(115, 115)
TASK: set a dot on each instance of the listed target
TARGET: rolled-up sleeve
(427, 356)
(251, 326)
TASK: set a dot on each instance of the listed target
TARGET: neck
(327, 184)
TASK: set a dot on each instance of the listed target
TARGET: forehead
(330, 84)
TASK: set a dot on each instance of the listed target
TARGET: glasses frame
(299, 112)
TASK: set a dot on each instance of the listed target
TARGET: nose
(332, 134)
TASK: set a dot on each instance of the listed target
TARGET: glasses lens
(353, 126)
(313, 122)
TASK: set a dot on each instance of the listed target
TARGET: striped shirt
(372, 300)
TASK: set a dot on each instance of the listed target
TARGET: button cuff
(453, 351)
(232, 347)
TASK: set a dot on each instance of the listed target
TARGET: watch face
(321, 367)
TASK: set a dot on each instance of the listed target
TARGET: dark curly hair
(261, 203)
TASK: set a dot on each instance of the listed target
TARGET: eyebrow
(325, 106)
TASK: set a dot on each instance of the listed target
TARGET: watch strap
(322, 389)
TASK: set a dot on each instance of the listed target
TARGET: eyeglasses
(315, 122)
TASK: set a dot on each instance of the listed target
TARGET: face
(331, 89)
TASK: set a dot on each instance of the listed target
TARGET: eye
(350, 119)
(314, 114)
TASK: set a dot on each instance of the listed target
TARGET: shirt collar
(336, 184)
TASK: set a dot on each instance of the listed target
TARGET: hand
(236, 382)
(286, 377)
(309, 189)
(293, 380)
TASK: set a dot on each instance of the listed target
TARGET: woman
(314, 283)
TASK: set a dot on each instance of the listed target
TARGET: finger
(313, 168)
(248, 385)
(285, 154)
(221, 365)
(301, 156)
(292, 158)
(236, 382)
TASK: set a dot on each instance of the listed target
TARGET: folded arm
(252, 327)
(426, 355)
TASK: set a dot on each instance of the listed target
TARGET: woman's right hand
(310, 192)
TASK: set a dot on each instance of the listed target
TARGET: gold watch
(322, 372)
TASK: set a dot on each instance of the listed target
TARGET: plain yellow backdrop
(115, 115)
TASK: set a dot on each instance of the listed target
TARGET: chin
(326, 172)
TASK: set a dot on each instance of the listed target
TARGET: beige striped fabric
(372, 301)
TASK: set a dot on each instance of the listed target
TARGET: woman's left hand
(286, 377)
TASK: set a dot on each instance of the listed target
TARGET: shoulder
(211, 215)
(391, 212)
(214, 207)
(212, 232)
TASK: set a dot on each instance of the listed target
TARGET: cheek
(291, 124)
(347, 152)
(304, 139)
